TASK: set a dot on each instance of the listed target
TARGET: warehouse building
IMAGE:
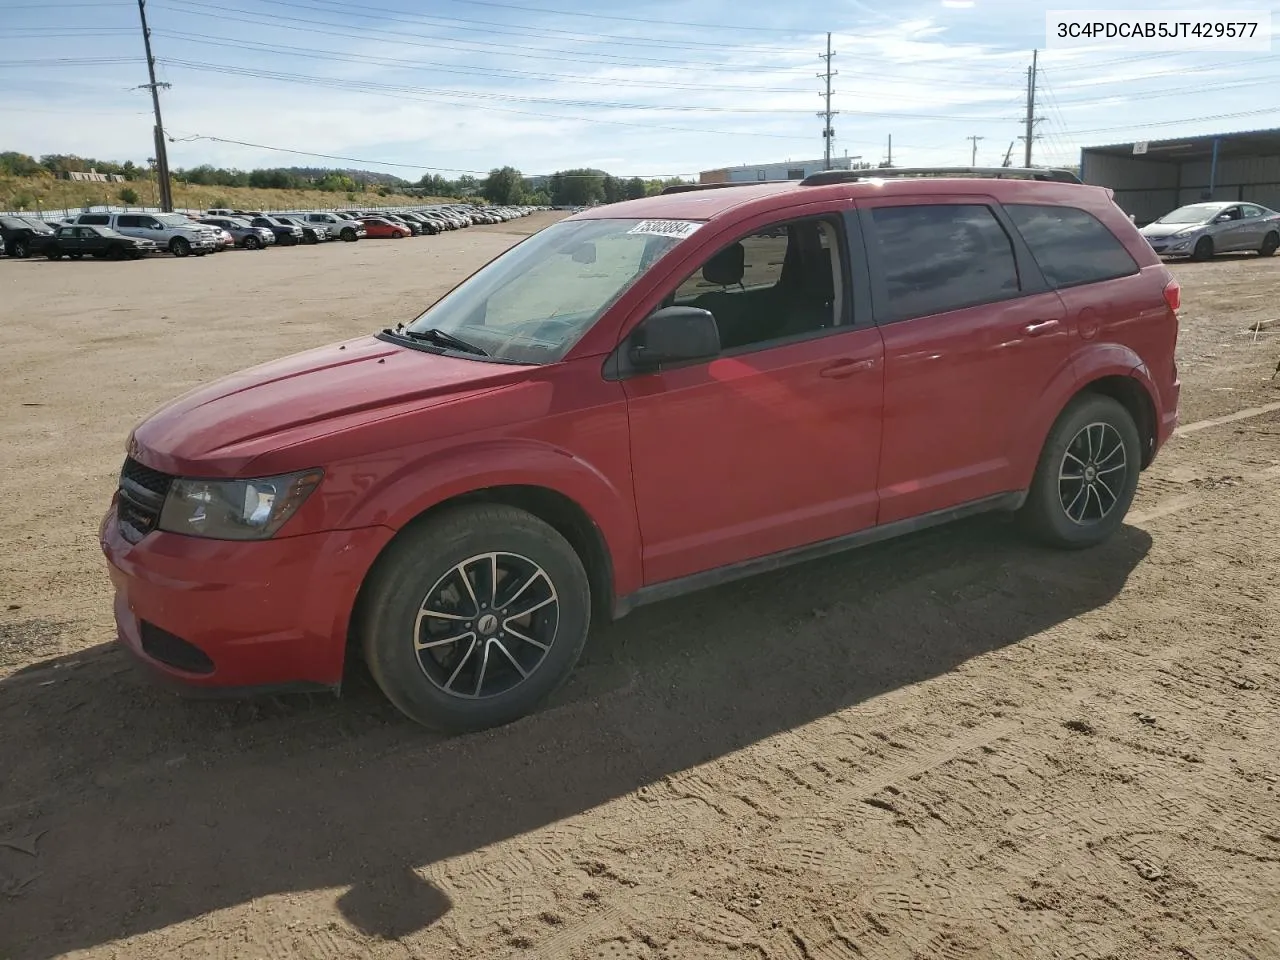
(788, 170)
(1150, 178)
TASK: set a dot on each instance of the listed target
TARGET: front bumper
(219, 615)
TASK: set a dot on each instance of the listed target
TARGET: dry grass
(53, 194)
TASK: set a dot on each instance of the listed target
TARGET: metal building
(789, 170)
(1150, 178)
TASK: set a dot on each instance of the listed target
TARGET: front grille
(172, 650)
(141, 496)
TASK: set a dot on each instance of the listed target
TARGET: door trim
(669, 589)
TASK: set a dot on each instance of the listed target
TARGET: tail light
(1173, 295)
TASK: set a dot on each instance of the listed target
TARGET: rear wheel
(1203, 249)
(1270, 243)
(473, 618)
(1087, 475)
(19, 248)
(180, 246)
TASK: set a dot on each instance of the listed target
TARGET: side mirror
(673, 335)
(1222, 218)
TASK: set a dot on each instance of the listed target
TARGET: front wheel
(473, 618)
(54, 254)
(180, 247)
(1203, 249)
(252, 243)
(349, 235)
(1270, 243)
(1087, 475)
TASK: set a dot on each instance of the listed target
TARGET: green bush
(128, 196)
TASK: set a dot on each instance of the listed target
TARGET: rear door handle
(1039, 327)
(846, 368)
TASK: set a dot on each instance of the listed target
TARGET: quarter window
(1071, 245)
(939, 257)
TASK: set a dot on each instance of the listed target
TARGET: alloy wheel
(1092, 474)
(486, 625)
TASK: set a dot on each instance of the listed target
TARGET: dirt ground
(954, 746)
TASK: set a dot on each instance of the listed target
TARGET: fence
(53, 216)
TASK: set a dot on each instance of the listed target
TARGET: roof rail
(1024, 173)
(689, 187)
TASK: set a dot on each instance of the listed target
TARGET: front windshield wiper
(436, 335)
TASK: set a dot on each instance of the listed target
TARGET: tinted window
(1071, 245)
(100, 219)
(126, 220)
(943, 257)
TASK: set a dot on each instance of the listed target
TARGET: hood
(219, 428)
(1159, 230)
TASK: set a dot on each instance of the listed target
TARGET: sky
(652, 88)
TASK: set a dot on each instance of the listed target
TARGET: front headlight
(1188, 231)
(236, 509)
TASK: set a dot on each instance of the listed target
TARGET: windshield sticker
(677, 229)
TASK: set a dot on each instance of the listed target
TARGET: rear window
(95, 218)
(936, 258)
(1071, 245)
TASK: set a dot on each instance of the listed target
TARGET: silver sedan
(1200, 230)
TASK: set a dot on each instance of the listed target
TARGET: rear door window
(939, 257)
(1071, 245)
(100, 219)
(127, 221)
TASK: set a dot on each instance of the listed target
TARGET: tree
(577, 188)
(128, 196)
(19, 165)
(634, 189)
(503, 186)
(467, 185)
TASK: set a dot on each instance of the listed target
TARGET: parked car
(425, 224)
(342, 227)
(16, 234)
(311, 232)
(244, 233)
(638, 401)
(74, 242)
(382, 228)
(1201, 230)
(287, 234)
(170, 231)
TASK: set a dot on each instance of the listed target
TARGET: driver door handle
(1039, 327)
(846, 368)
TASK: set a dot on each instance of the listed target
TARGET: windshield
(534, 302)
(173, 220)
(1195, 213)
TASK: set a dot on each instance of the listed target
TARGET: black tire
(421, 566)
(1088, 439)
(19, 249)
(1203, 249)
(54, 254)
(180, 246)
(310, 239)
(349, 234)
(252, 243)
(1270, 244)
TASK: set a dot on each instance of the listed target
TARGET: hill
(46, 193)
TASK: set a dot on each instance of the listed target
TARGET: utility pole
(888, 162)
(162, 155)
(973, 158)
(827, 132)
(1008, 154)
(1031, 107)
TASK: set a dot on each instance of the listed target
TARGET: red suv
(641, 400)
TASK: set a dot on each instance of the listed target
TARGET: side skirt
(669, 589)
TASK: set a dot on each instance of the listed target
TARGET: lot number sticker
(677, 229)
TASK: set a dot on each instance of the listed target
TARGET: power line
(433, 94)
(407, 166)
